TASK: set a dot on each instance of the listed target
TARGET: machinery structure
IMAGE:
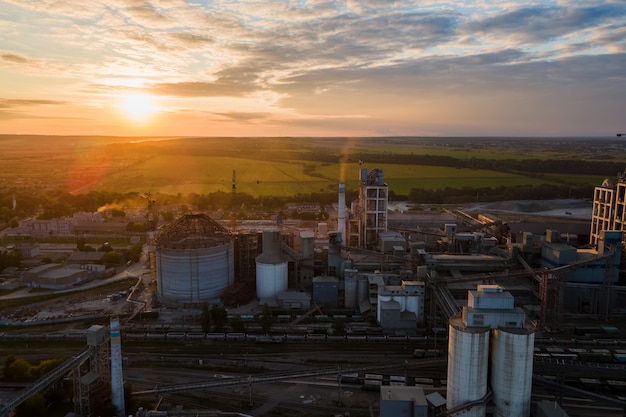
(91, 372)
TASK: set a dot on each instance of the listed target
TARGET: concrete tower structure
(490, 343)
(609, 208)
(373, 202)
(341, 213)
(271, 267)
(117, 379)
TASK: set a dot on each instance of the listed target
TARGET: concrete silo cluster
(490, 356)
(194, 261)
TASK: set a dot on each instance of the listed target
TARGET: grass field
(273, 166)
(185, 174)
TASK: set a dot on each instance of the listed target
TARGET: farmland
(289, 166)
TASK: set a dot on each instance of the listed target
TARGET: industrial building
(60, 276)
(371, 210)
(403, 401)
(390, 274)
(609, 207)
(490, 356)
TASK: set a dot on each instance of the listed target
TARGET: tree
(134, 253)
(339, 328)
(205, 318)
(267, 319)
(35, 405)
(106, 247)
(118, 213)
(219, 316)
(112, 258)
(17, 370)
(80, 243)
(237, 324)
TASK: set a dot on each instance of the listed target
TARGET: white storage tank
(194, 261)
(468, 367)
(512, 371)
(271, 267)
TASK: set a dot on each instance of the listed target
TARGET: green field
(283, 166)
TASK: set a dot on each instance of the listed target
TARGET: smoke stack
(341, 213)
(117, 380)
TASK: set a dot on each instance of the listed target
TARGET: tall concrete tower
(117, 380)
(272, 275)
(341, 213)
(373, 201)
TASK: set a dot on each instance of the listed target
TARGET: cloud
(543, 23)
(243, 116)
(14, 58)
(358, 62)
(16, 103)
(221, 88)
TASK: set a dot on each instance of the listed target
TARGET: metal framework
(193, 231)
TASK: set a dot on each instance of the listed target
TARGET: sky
(313, 67)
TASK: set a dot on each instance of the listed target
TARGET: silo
(512, 371)
(271, 267)
(468, 360)
(194, 261)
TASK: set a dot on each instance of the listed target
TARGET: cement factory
(488, 292)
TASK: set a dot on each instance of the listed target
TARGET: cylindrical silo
(194, 261)
(271, 267)
(468, 367)
(512, 371)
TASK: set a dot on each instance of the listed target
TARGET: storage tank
(512, 371)
(271, 267)
(468, 367)
(194, 261)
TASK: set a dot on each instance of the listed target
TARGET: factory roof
(436, 399)
(193, 231)
(403, 393)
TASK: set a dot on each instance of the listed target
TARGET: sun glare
(138, 107)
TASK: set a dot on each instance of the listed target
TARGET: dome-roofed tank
(194, 261)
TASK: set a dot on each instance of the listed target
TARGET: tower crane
(150, 217)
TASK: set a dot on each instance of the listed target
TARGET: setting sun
(138, 107)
